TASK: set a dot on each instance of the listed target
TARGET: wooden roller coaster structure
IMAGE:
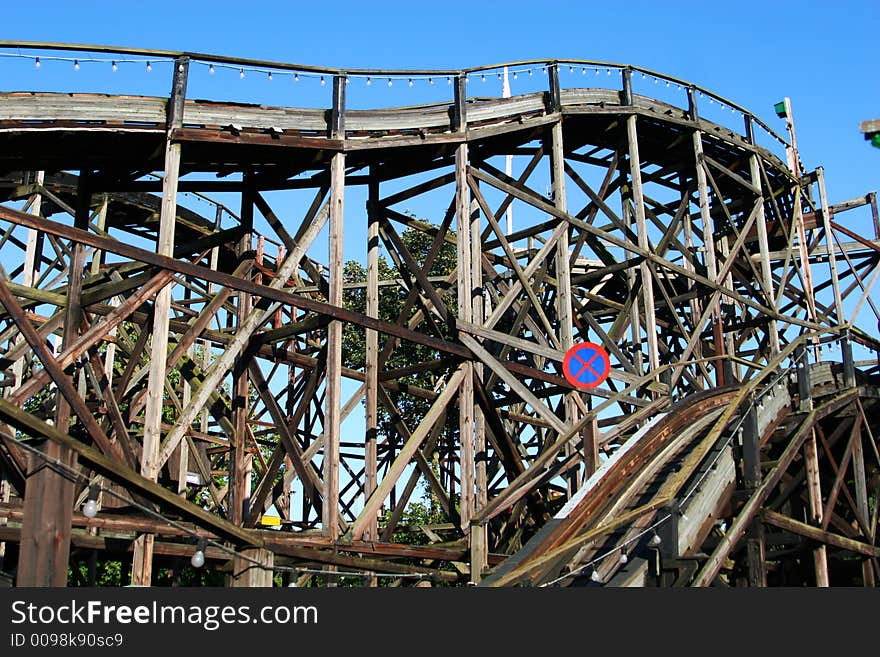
(209, 381)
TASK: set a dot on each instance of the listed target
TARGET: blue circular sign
(586, 365)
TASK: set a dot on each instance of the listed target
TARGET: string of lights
(391, 76)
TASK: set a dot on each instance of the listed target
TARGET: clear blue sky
(823, 55)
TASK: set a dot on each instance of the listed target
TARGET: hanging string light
(75, 64)
(211, 69)
(390, 82)
(37, 63)
(296, 77)
(241, 73)
(198, 558)
(114, 66)
(369, 81)
(269, 76)
(410, 82)
(149, 67)
(90, 508)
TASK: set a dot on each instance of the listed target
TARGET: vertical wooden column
(333, 391)
(372, 351)
(31, 265)
(142, 558)
(253, 568)
(479, 546)
(708, 230)
(562, 266)
(635, 172)
(846, 345)
(862, 501)
(763, 244)
(466, 421)
(751, 480)
(814, 490)
(48, 500)
(467, 424)
(239, 459)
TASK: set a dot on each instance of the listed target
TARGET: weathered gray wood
(333, 393)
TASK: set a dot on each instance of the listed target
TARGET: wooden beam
(137, 484)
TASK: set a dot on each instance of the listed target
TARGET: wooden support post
(708, 230)
(333, 390)
(562, 266)
(763, 243)
(875, 215)
(751, 480)
(862, 501)
(239, 458)
(804, 386)
(478, 538)
(467, 424)
(31, 267)
(459, 106)
(372, 352)
(49, 494)
(591, 438)
(142, 558)
(814, 490)
(642, 230)
(252, 567)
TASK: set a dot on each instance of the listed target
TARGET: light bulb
(90, 508)
(609, 71)
(269, 76)
(623, 558)
(584, 70)
(483, 77)
(37, 63)
(410, 82)
(211, 69)
(514, 75)
(643, 76)
(655, 540)
(369, 82)
(241, 73)
(571, 69)
(448, 80)
(114, 67)
(655, 80)
(75, 64)
(323, 81)
(530, 72)
(198, 559)
(296, 77)
(292, 584)
(390, 82)
(149, 67)
(595, 576)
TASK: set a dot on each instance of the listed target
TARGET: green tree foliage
(393, 292)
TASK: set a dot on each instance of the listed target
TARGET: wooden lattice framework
(191, 364)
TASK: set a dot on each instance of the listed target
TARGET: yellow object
(270, 521)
